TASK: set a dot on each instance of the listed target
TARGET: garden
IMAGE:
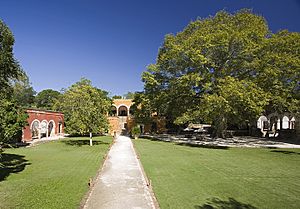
(221, 177)
(50, 175)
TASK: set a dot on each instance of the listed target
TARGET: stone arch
(35, 129)
(51, 128)
(292, 123)
(44, 128)
(123, 110)
(285, 122)
(262, 123)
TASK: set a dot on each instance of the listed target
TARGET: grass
(50, 175)
(208, 178)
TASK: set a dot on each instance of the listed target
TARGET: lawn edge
(148, 181)
(92, 184)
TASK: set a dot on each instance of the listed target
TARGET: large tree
(85, 108)
(194, 65)
(12, 117)
(9, 67)
(23, 92)
(45, 99)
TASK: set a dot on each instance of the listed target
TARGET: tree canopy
(12, 116)
(46, 99)
(23, 93)
(85, 108)
(227, 67)
(9, 67)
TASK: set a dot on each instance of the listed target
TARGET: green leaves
(85, 108)
(12, 121)
(9, 67)
(225, 70)
(46, 99)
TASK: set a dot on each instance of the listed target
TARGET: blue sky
(111, 42)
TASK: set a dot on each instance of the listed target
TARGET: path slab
(121, 183)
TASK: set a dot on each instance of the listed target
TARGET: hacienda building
(282, 125)
(43, 124)
(121, 119)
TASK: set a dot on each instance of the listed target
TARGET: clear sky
(112, 41)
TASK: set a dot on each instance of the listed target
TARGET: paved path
(121, 184)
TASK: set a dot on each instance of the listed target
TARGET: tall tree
(116, 97)
(192, 65)
(129, 95)
(12, 117)
(23, 92)
(46, 99)
(85, 108)
(9, 67)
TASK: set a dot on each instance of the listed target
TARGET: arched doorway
(35, 129)
(51, 128)
(123, 111)
(44, 128)
(285, 122)
(262, 123)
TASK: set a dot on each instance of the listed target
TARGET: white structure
(274, 122)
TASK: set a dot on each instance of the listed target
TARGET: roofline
(43, 110)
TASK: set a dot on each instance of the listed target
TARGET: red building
(43, 123)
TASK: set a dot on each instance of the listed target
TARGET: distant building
(121, 119)
(274, 124)
(43, 123)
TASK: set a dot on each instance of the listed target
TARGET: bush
(135, 131)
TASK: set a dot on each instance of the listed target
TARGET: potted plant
(135, 132)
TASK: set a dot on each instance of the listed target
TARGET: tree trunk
(91, 140)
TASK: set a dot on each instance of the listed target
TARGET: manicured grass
(207, 178)
(50, 175)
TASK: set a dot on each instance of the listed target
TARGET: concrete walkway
(121, 184)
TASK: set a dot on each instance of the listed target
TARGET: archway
(292, 123)
(44, 128)
(285, 122)
(123, 111)
(51, 128)
(35, 125)
(262, 123)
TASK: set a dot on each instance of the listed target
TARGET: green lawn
(50, 175)
(206, 178)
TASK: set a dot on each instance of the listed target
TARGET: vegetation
(51, 175)
(12, 117)
(117, 97)
(191, 177)
(23, 93)
(84, 108)
(235, 51)
(135, 131)
(46, 99)
(129, 95)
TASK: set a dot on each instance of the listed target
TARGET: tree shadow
(231, 203)
(208, 146)
(11, 163)
(80, 143)
(286, 152)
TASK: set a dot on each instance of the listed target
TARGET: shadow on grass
(11, 163)
(286, 152)
(81, 142)
(231, 203)
(208, 146)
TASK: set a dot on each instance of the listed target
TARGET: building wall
(120, 124)
(43, 117)
(123, 124)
